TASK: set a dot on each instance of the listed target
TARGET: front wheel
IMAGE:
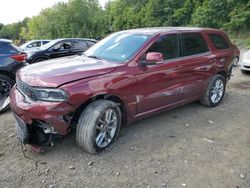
(6, 84)
(215, 91)
(98, 126)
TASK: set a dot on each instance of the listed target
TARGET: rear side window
(167, 45)
(7, 48)
(80, 45)
(193, 43)
(218, 41)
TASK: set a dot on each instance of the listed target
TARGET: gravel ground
(191, 146)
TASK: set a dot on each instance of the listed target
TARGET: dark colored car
(59, 48)
(125, 77)
(11, 59)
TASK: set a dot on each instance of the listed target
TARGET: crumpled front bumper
(28, 112)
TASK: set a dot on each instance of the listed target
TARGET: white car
(244, 64)
(34, 44)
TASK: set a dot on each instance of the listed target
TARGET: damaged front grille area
(25, 89)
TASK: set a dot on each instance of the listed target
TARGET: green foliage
(85, 18)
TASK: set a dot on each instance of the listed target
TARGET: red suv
(125, 77)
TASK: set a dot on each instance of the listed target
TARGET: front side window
(118, 47)
(167, 45)
(62, 46)
(218, 41)
(34, 44)
(192, 44)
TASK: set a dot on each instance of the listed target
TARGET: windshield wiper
(95, 57)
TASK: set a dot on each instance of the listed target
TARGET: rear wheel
(98, 126)
(215, 91)
(6, 84)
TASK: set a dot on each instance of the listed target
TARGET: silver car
(34, 44)
(244, 64)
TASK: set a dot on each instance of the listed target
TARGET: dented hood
(56, 72)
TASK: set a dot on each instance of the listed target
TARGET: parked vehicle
(244, 64)
(11, 59)
(237, 55)
(125, 77)
(34, 44)
(59, 48)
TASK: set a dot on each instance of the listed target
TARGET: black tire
(245, 71)
(11, 82)
(86, 131)
(206, 99)
(39, 59)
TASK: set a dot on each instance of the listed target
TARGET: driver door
(158, 85)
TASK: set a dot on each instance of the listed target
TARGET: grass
(241, 40)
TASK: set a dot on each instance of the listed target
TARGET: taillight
(19, 57)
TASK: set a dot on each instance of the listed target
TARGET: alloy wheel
(106, 128)
(217, 91)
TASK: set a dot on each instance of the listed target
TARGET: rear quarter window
(7, 48)
(193, 43)
(218, 41)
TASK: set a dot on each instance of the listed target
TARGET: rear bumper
(56, 115)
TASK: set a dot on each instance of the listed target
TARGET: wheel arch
(118, 100)
(44, 57)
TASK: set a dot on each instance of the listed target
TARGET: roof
(156, 30)
(75, 39)
(6, 40)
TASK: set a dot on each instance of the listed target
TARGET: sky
(16, 10)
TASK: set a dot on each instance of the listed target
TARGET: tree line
(86, 18)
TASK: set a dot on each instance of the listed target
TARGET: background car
(11, 59)
(60, 48)
(244, 64)
(236, 54)
(34, 44)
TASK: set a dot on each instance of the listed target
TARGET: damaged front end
(39, 124)
(38, 135)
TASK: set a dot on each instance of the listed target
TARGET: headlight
(50, 95)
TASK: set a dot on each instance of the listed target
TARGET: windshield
(118, 47)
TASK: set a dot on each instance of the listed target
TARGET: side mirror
(153, 58)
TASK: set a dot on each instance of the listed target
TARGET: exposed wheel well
(225, 74)
(113, 98)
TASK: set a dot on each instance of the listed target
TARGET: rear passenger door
(196, 64)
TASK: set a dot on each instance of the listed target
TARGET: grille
(25, 89)
(248, 67)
